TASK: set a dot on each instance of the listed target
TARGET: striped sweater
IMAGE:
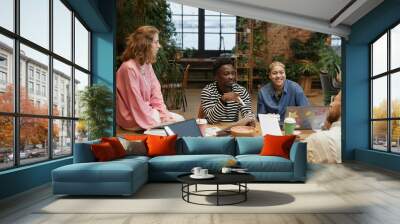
(217, 111)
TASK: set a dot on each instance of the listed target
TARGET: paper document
(269, 125)
(159, 132)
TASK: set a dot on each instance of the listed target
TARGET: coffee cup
(202, 124)
(203, 172)
(226, 170)
(289, 125)
(196, 171)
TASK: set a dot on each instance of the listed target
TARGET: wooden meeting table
(223, 126)
(227, 125)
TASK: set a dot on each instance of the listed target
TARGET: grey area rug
(166, 198)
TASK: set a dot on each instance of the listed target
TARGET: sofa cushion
(208, 145)
(161, 145)
(185, 163)
(103, 152)
(257, 163)
(112, 171)
(277, 145)
(128, 159)
(135, 137)
(116, 145)
(249, 145)
(134, 147)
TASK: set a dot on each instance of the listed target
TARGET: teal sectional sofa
(125, 176)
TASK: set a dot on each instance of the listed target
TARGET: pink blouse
(138, 95)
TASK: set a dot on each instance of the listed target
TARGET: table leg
(217, 194)
(245, 191)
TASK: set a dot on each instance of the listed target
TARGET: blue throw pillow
(208, 145)
(249, 145)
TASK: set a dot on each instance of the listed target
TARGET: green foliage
(241, 24)
(311, 55)
(308, 50)
(328, 60)
(97, 103)
(307, 68)
(189, 52)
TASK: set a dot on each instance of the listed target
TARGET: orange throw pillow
(103, 152)
(277, 145)
(136, 137)
(161, 145)
(116, 145)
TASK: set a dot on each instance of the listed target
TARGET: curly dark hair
(220, 61)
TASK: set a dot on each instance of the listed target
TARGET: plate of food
(243, 131)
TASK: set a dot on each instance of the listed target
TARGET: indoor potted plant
(97, 102)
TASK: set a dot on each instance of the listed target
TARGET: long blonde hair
(139, 45)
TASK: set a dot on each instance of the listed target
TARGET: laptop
(308, 117)
(187, 128)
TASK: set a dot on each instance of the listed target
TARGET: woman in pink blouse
(140, 103)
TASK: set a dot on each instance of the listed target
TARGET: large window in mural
(385, 96)
(44, 64)
(201, 29)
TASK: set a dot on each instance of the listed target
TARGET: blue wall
(103, 52)
(99, 15)
(356, 92)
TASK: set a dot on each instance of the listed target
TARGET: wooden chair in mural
(175, 92)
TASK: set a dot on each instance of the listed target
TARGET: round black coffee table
(238, 179)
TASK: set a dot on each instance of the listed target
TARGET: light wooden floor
(378, 189)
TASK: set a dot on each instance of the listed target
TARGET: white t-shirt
(325, 146)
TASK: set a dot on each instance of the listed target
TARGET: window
(385, 96)
(37, 75)
(38, 89)
(30, 72)
(7, 14)
(3, 78)
(39, 80)
(34, 23)
(336, 44)
(81, 45)
(186, 20)
(203, 30)
(62, 75)
(220, 31)
(30, 87)
(44, 91)
(3, 71)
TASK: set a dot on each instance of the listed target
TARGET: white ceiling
(315, 15)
